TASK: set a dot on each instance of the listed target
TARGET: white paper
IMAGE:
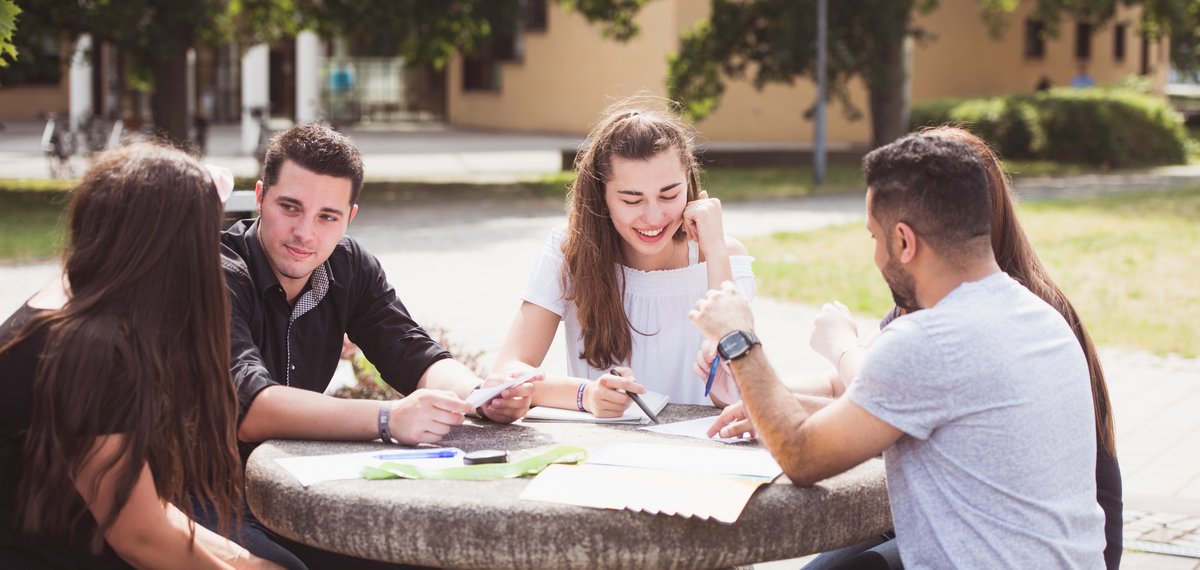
(484, 395)
(633, 414)
(317, 468)
(756, 463)
(697, 428)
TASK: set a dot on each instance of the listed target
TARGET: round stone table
(483, 524)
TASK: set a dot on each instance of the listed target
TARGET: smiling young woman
(643, 243)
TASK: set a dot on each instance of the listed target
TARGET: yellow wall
(965, 61)
(570, 73)
(30, 102)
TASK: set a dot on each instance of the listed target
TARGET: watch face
(734, 345)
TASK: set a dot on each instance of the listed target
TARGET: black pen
(638, 400)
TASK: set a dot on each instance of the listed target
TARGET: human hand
(833, 331)
(702, 224)
(724, 387)
(733, 422)
(601, 396)
(721, 312)
(252, 562)
(513, 403)
(426, 416)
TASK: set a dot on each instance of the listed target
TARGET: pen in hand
(638, 400)
(712, 373)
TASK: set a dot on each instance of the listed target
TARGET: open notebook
(633, 415)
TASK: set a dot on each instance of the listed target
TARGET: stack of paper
(316, 468)
(633, 414)
(697, 428)
(660, 479)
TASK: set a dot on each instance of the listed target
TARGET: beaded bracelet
(579, 397)
(384, 413)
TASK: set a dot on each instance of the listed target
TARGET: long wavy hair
(592, 250)
(1016, 257)
(140, 349)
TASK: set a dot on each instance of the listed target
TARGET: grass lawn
(1129, 263)
(29, 224)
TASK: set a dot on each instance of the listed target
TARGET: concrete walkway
(462, 265)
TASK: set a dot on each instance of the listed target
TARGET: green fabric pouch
(527, 466)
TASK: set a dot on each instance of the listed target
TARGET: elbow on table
(802, 475)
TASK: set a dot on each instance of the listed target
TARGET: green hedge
(1112, 127)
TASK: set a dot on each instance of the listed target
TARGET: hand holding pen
(638, 399)
(607, 396)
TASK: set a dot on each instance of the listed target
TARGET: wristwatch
(736, 344)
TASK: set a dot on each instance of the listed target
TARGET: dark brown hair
(317, 148)
(1016, 257)
(140, 349)
(936, 185)
(592, 250)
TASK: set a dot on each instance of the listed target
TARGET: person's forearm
(775, 411)
(282, 412)
(451, 375)
(719, 268)
(558, 392)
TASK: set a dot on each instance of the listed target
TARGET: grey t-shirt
(997, 464)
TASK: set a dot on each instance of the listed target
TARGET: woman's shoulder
(735, 247)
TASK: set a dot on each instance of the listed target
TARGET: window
(1083, 41)
(481, 74)
(1035, 39)
(1119, 33)
(533, 15)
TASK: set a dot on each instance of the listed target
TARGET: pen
(418, 454)
(638, 400)
(712, 373)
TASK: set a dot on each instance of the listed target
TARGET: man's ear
(353, 212)
(907, 238)
(258, 196)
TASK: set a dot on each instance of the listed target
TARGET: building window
(1035, 39)
(533, 15)
(39, 62)
(1119, 33)
(481, 74)
(1083, 41)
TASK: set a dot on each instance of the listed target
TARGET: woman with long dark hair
(643, 242)
(119, 410)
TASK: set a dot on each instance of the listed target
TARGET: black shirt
(274, 342)
(65, 549)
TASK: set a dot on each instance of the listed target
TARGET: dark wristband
(385, 412)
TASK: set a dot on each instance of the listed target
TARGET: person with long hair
(835, 336)
(119, 411)
(643, 241)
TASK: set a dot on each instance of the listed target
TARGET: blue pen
(712, 373)
(419, 454)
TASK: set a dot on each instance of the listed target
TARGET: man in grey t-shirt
(981, 403)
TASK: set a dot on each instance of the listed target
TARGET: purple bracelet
(579, 397)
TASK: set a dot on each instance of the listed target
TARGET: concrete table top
(483, 524)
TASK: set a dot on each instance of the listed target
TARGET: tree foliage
(8, 25)
(773, 42)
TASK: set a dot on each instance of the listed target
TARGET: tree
(8, 24)
(154, 35)
(772, 41)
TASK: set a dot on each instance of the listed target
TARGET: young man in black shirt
(298, 283)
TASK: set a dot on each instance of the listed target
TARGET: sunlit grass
(1129, 263)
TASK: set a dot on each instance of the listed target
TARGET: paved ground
(462, 265)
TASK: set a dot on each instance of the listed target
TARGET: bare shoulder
(735, 247)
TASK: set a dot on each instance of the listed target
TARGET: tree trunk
(169, 101)
(888, 83)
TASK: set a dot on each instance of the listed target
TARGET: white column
(308, 66)
(81, 80)
(256, 77)
(191, 87)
